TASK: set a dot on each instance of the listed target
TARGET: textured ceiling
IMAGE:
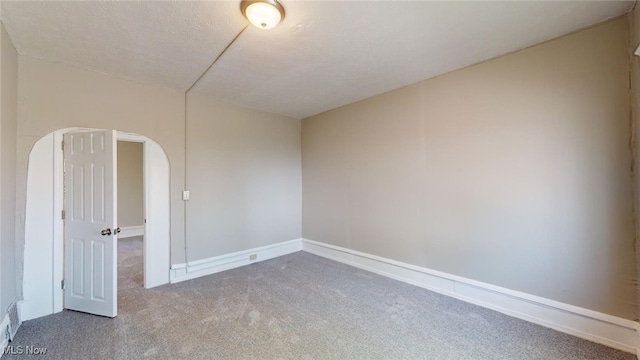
(323, 55)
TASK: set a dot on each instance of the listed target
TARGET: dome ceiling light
(263, 14)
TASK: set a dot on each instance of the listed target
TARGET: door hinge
(62, 146)
(62, 284)
(63, 214)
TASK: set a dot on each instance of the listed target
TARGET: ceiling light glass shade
(263, 14)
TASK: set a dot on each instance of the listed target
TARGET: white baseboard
(131, 231)
(605, 329)
(591, 325)
(198, 268)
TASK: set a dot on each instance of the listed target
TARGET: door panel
(77, 265)
(90, 203)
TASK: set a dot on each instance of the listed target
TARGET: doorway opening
(43, 254)
(130, 181)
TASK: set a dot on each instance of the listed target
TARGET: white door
(90, 241)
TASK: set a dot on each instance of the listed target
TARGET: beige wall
(634, 18)
(513, 172)
(243, 166)
(54, 96)
(8, 123)
(244, 175)
(130, 185)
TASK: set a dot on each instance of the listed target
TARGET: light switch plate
(186, 195)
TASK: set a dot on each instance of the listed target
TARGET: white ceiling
(324, 54)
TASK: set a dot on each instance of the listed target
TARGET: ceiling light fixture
(263, 14)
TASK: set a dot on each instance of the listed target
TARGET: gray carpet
(298, 306)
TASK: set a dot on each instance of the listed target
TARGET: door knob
(105, 232)
(116, 231)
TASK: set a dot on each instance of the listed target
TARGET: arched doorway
(43, 254)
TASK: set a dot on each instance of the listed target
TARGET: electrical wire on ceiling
(264, 14)
(186, 128)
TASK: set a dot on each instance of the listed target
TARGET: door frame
(156, 257)
(157, 227)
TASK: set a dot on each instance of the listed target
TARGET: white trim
(156, 248)
(4, 340)
(130, 137)
(42, 220)
(198, 268)
(42, 294)
(58, 229)
(131, 231)
(591, 325)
